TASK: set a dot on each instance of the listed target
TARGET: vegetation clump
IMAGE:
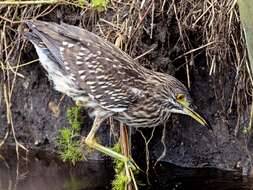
(121, 180)
(124, 175)
(68, 138)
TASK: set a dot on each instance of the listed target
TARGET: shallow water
(43, 171)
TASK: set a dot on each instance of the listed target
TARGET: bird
(107, 80)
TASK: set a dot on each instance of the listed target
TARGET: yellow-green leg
(91, 142)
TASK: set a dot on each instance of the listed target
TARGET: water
(170, 177)
(43, 171)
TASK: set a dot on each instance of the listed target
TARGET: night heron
(91, 70)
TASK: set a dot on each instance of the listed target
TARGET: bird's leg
(91, 142)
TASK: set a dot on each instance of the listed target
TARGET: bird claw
(130, 168)
(132, 165)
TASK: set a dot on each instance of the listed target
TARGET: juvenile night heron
(90, 70)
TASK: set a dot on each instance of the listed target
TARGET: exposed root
(147, 141)
(2, 142)
(163, 154)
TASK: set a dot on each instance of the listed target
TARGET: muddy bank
(37, 122)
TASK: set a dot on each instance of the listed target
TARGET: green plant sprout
(67, 140)
(121, 179)
(99, 5)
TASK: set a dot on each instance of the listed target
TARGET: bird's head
(176, 99)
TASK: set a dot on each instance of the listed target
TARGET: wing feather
(110, 76)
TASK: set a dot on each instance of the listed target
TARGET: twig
(194, 50)
(145, 53)
(184, 44)
(17, 66)
(152, 21)
(30, 2)
(142, 19)
(8, 88)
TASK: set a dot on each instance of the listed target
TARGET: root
(147, 141)
(164, 146)
(2, 142)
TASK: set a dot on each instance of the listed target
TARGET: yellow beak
(197, 117)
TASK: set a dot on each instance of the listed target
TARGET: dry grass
(217, 24)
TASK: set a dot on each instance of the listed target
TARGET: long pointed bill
(197, 117)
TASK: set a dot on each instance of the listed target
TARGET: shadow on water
(44, 171)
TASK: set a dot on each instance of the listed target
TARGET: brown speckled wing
(110, 76)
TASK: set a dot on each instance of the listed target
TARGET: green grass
(120, 181)
(99, 5)
(68, 138)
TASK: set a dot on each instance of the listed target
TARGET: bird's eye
(180, 97)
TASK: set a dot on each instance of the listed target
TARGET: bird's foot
(129, 170)
(132, 165)
(129, 162)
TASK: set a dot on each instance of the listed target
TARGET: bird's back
(81, 64)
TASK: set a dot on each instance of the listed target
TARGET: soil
(188, 144)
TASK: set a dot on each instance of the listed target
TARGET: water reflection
(168, 177)
(48, 173)
(43, 171)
